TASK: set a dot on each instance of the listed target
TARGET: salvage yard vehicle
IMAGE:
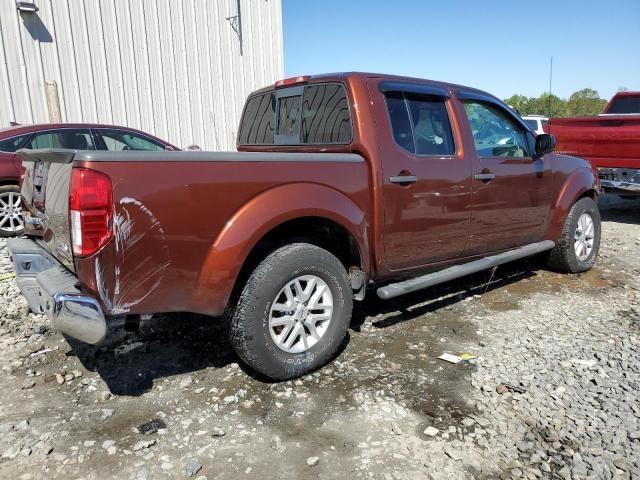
(344, 184)
(536, 122)
(609, 141)
(79, 136)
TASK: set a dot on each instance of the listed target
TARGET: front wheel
(577, 249)
(293, 312)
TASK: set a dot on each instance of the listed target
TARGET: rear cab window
(625, 105)
(317, 113)
(420, 123)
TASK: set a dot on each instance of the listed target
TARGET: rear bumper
(622, 181)
(52, 289)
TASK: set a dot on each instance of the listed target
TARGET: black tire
(5, 191)
(563, 256)
(249, 331)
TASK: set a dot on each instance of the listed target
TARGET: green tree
(519, 102)
(548, 104)
(585, 103)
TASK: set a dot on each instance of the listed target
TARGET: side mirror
(545, 143)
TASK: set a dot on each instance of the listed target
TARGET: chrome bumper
(621, 181)
(52, 289)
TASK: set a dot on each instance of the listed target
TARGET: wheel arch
(579, 184)
(272, 219)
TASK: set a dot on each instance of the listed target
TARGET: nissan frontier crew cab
(344, 186)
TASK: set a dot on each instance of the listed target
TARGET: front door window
(494, 133)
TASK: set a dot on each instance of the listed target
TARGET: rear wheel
(293, 312)
(577, 249)
(11, 222)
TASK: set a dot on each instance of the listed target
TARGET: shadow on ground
(619, 210)
(174, 344)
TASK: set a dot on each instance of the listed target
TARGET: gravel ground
(566, 347)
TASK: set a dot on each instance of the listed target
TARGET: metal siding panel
(171, 67)
(166, 46)
(228, 42)
(182, 77)
(84, 72)
(17, 70)
(113, 62)
(140, 49)
(156, 67)
(193, 75)
(7, 114)
(128, 64)
(99, 70)
(216, 79)
(208, 140)
(31, 32)
(67, 61)
(49, 55)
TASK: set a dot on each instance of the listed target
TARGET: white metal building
(179, 69)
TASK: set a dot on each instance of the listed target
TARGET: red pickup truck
(610, 142)
(345, 183)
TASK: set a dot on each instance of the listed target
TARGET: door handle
(403, 179)
(485, 177)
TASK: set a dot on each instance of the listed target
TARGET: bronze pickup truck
(344, 184)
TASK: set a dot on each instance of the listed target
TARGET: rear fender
(575, 186)
(257, 218)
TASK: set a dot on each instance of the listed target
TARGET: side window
(12, 144)
(431, 125)
(118, 140)
(400, 123)
(325, 114)
(258, 122)
(495, 134)
(289, 116)
(74, 139)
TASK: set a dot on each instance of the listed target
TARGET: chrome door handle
(403, 179)
(485, 177)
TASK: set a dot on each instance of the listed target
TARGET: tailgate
(45, 192)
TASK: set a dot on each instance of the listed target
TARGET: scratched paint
(137, 272)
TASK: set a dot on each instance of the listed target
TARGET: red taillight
(292, 81)
(90, 211)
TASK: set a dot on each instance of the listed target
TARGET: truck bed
(171, 211)
(607, 141)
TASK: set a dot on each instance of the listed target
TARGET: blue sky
(499, 46)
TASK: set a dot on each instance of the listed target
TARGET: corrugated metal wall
(169, 67)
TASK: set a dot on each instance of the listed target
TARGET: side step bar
(396, 289)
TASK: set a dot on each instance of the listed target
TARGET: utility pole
(550, 79)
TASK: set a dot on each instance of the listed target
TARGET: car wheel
(11, 221)
(293, 312)
(577, 249)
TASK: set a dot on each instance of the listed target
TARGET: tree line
(583, 103)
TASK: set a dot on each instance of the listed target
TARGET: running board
(396, 289)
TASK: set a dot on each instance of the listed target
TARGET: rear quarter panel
(182, 230)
